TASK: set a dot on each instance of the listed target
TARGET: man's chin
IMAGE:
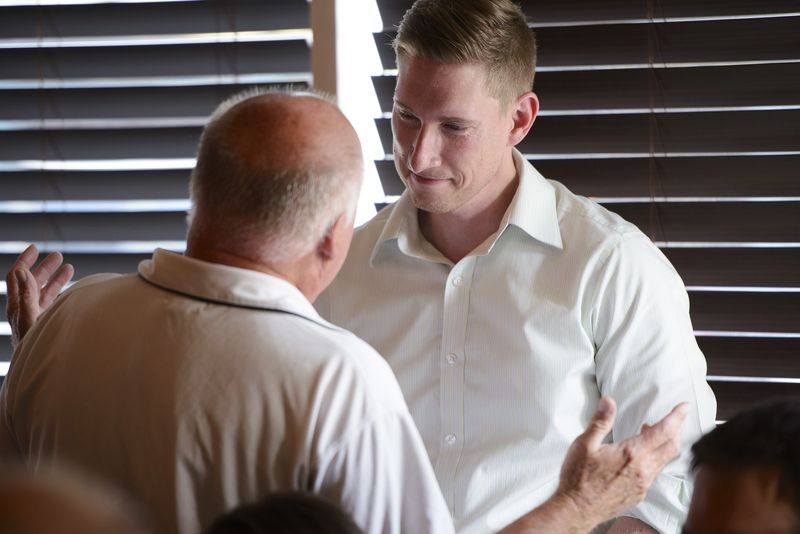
(429, 204)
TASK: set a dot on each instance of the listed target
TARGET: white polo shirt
(503, 356)
(196, 387)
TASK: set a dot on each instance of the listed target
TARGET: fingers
(47, 267)
(666, 433)
(56, 283)
(669, 428)
(601, 424)
(26, 304)
(25, 260)
(28, 293)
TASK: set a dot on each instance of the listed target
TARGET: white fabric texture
(192, 398)
(503, 356)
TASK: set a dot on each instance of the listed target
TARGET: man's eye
(454, 127)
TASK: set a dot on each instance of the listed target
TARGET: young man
(505, 304)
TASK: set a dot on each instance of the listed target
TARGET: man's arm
(599, 480)
(31, 291)
(648, 360)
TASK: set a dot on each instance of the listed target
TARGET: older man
(505, 304)
(208, 380)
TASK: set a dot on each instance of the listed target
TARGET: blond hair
(493, 33)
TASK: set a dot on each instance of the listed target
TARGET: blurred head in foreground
(61, 504)
(286, 513)
(748, 474)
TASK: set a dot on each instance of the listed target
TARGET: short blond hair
(493, 33)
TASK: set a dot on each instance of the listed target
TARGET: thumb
(602, 422)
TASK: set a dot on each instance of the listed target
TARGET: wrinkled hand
(31, 291)
(603, 479)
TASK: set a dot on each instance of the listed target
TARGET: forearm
(558, 515)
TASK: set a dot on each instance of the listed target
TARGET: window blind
(684, 118)
(101, 107)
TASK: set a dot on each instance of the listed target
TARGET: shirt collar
(533, 209)
(225, 284)
(402, 226)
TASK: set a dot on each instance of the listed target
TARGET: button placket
(451, 365)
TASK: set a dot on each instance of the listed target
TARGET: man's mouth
(426, 180)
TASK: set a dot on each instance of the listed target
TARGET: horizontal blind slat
(735, 397)
(566, 11)
(143, 102)
(762, 40)
(753, 357)
(152, 18)
(120, 185)
(717, 177)
(679, 88)
(27, 227)
(758, 312)
(167, 61)
(723, 133)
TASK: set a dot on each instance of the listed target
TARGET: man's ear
(524, 113)
(325, 246)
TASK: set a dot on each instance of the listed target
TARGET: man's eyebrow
(400, 105)
(460, 120)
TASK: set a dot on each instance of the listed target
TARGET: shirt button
(450, 439)
(452, 358)
(457, 281)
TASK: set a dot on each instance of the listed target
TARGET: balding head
(274, 172)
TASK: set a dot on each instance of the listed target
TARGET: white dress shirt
(503, 356)
(197, 387)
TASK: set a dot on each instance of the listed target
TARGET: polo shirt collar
(224, 284)
(533, 210)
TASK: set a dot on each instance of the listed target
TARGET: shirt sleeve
(647, 359)
(383, 477)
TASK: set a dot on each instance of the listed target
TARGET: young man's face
(451, 138)
(739, 502)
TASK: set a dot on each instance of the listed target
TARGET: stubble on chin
(428, 204)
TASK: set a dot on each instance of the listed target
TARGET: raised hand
(603, 479)
(31, 291)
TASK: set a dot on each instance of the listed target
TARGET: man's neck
(457, 233)
(297, 272)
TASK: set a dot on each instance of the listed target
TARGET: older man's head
(276, 170)
(275, 187)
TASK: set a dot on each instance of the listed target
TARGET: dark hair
(766, 436)
(286, 513)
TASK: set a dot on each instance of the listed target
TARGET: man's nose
(424, 152)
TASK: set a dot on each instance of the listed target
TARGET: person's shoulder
(365, 372)
(577, 212)
(583, 218)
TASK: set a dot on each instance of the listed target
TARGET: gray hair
(281, 209)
